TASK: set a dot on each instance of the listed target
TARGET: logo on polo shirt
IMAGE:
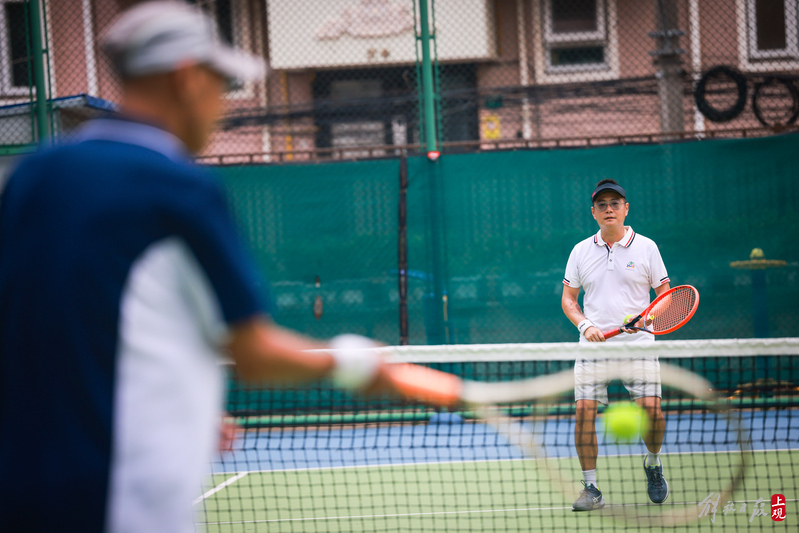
(630, 265)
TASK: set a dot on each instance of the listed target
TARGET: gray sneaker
(656, 484)
(590, 499)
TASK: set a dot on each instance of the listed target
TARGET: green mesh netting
(489, 235)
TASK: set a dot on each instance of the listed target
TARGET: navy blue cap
(608, 187)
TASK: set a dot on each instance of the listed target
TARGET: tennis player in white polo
(616, 268)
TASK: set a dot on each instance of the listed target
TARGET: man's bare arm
(571, 308)
(266, 352)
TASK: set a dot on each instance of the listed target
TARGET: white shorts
(591, 377)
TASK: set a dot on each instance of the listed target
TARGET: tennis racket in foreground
(486, 399)
(668, 312)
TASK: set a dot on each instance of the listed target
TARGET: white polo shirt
(616, 279)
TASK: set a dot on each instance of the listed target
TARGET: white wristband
(584, 325)
(356, 361)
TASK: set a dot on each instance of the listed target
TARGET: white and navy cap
(162, 36)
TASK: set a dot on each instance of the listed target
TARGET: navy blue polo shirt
(120, 272)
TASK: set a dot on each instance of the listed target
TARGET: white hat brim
(236, 65)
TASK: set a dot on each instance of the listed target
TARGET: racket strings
(674, 309)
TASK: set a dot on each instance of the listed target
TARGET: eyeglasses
(614, 204)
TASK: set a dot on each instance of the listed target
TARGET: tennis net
(318, 459)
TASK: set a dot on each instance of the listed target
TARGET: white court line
(220, 487)
(497, 460)
(397, 515)
(391, 465)
(442, 513)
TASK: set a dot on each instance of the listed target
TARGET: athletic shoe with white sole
(656, 484)
(590, 499)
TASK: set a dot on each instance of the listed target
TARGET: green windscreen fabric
(505, 223)
(489, 235)
(335, 224)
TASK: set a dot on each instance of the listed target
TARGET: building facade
(344, 74)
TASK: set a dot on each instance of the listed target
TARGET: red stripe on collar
(632, 236)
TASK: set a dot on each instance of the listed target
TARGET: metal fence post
(40, 104)
(669, 66)
(428, 90)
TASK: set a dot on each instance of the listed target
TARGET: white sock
(652, 459)
(590, 477)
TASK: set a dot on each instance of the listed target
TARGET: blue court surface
(301, 448)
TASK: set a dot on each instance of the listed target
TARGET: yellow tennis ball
(625, 421)
(629, 317)
(756, 253)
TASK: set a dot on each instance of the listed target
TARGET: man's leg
(657, 424)
(587, 451)
(585, 434)
(657, 486)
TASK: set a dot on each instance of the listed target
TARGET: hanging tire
(758, 105)
(716, 114)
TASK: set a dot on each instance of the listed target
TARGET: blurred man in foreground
(122, 281)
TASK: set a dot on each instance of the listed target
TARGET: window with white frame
(772, 29)
(15, 71)
(575, 35)
(222, 12)
(233, 24)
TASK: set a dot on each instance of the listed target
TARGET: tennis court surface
(321, 460)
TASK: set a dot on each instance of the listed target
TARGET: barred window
(222, 12)
(15, 72)
(575, 35)
(233, 22)
(772, 29)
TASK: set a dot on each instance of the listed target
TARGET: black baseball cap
(608, 187)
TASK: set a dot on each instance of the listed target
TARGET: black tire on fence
(715, 114)
(757, 108)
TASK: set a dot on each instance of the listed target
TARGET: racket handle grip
(617, 331)
(419, 383)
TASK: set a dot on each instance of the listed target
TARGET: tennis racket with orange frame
(668, 312)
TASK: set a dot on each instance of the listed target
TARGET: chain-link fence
(473, 248)
(469, 249)
(349, 78)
